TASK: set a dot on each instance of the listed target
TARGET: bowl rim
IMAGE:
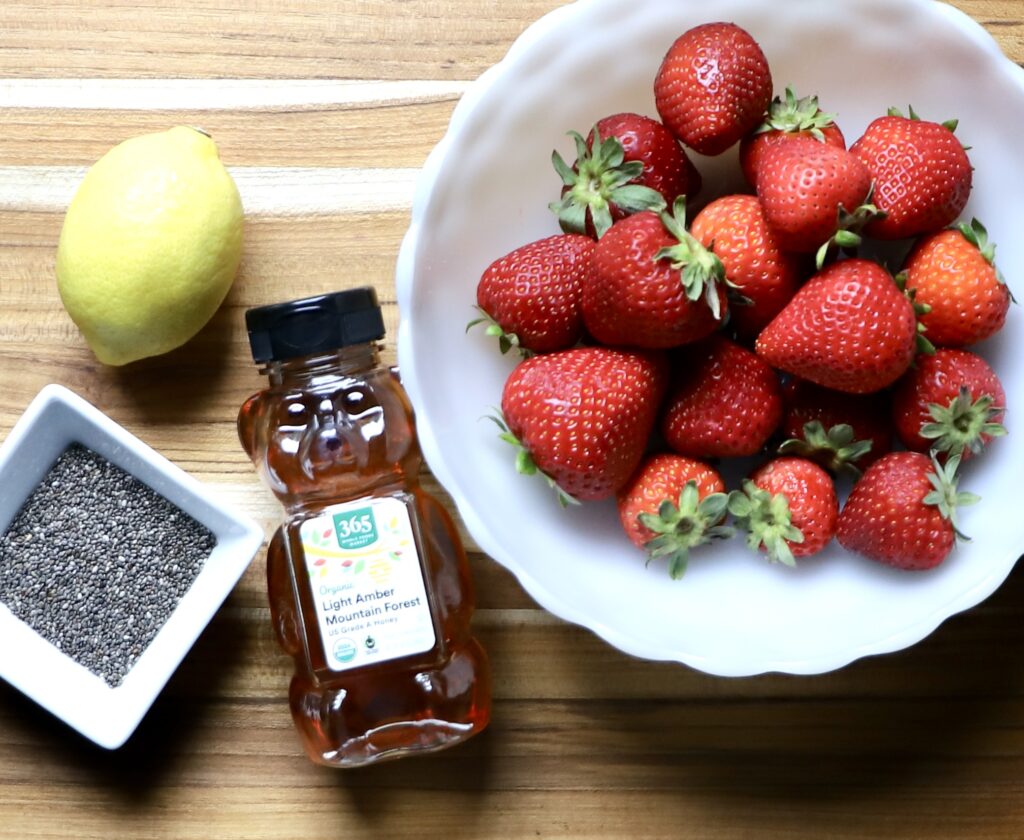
(405, 281)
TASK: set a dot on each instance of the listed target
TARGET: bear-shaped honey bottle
(368, 581)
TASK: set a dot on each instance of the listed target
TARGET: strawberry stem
(836, 450)
(700, 269)
(600, 178)
(684, 525)
(848, 229)
(923, 344)
(977, 235)
(792, 115)
(767, 519)
(506, 340)
(525, 465)
(945, 495)
(964, 424)
(950, 124)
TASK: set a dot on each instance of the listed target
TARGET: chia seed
(96, 561)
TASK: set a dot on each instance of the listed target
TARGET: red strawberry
(952, 401)
(839, 431)
(788, 118)
(582, 416)
(953, 273)
(921, 173)
(788, 508)
(531, 297)
(763, 277)
(723, 401)
(652, 284)
(902, 511)
(813, 194)
(713, 87)
(673, 504)
(849, 328)
(628, 163)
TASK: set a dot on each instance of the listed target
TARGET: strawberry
(952, 401)
(788, 508)
(788, 118)
(762, 278)
(628, 163)
(953, 273)
(921, 173)
(652, 284)
(673, 504)
(713, 87)
(849, 328)
(813, 194)
(582, 417)
(902, 512)
(842, 432)
(530, 298)
(723, 401)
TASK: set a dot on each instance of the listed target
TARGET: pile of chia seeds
(96, 561)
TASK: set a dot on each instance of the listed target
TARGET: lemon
(150, 245)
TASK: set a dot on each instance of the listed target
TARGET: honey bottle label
(367, 583)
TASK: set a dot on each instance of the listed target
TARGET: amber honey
(368, 581)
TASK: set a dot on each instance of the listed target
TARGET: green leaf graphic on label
(359, 567)
(355, 528)
(315, 538)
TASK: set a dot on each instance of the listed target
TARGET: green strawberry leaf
(977, 235)
(524, 462)
(835, 449)
(924, 345)
(945, 496)
(506, 340)
(848, 230)
(682, 525)
(793, 115)
(601, 177)
(767, 520)
(963, 424)
(700, 269)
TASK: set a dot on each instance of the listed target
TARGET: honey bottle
(368, 581)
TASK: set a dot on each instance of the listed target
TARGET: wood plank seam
(265, 190)
(220, 94)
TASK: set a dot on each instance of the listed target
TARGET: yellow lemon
(150, 245)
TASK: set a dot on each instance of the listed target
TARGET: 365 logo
(355, 528)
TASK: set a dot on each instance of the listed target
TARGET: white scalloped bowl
(484, 190)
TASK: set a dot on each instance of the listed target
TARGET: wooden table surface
(325, 109)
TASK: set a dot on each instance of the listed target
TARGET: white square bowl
(54, 420)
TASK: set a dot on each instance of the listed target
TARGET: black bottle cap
(318, 324)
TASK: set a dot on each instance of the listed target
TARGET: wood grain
(322, 135)
(300, 39)
(307, 39)
(586, 742)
